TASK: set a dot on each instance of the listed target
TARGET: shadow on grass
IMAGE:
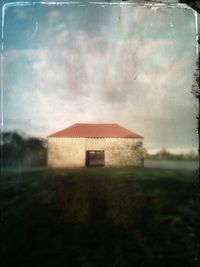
(105, 218)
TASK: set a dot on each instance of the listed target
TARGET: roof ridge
(92, 130)
(93, 123)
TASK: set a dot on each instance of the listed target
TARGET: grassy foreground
(99, 217)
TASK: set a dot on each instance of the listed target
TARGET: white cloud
(20, 12)
(53, 15)
(138, 83)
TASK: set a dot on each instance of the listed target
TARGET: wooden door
(95, 158)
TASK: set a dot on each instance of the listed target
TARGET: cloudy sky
(120, 64)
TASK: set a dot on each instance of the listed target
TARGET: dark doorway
(95, 158)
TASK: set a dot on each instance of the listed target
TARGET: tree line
(17, 150)
(163, 154)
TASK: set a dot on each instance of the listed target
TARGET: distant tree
(191, 155)
(18, 150)
(145, 153)
(163, 154)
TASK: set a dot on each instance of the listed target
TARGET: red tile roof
(96, 131)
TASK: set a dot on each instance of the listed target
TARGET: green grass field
(99, 217)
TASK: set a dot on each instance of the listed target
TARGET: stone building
(94, 145)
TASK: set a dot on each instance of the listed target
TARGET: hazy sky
(114, 64)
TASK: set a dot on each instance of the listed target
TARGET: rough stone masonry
(68, 150)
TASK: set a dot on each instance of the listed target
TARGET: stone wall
(95, 144)
(123, 152)
(71, 152)
(66, 152)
